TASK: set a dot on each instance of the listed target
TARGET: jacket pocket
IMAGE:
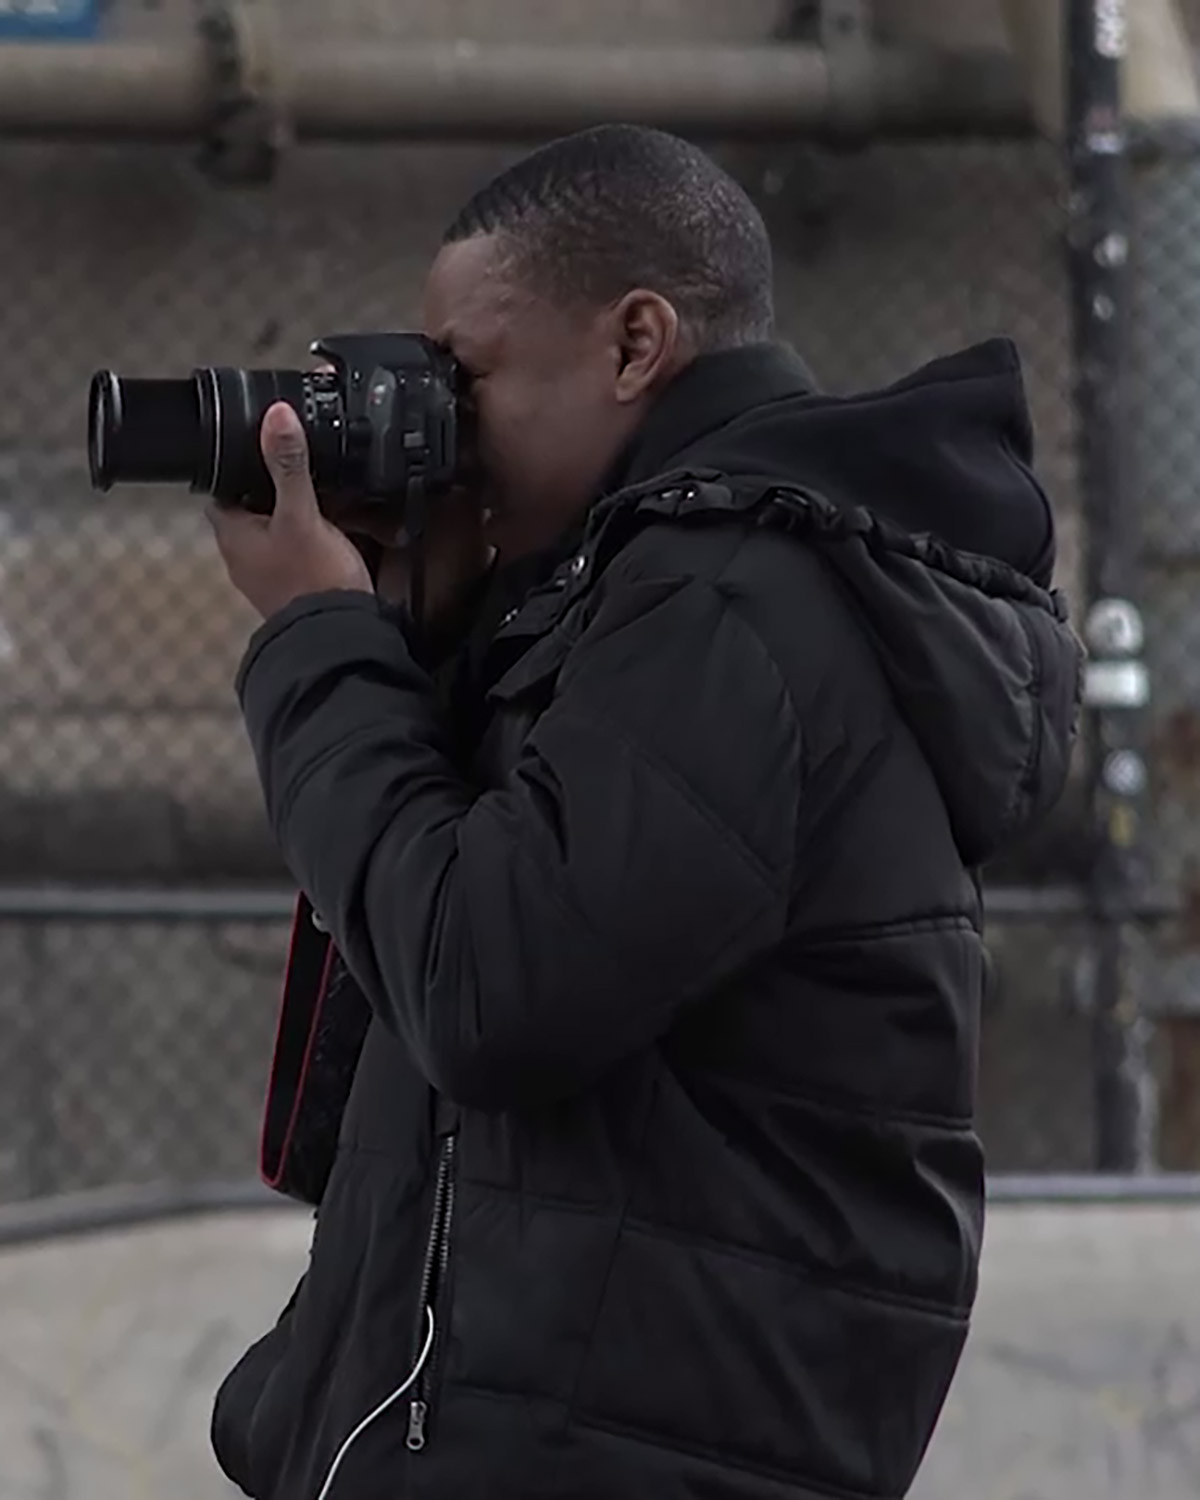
(235, 1418)
(516, 703)
(744, 1357)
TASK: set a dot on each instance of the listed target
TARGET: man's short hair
(594, 215)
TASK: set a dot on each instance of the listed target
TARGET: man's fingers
(234, 528)
(285, 451)
(231, 518)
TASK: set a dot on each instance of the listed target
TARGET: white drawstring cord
(378, 1412)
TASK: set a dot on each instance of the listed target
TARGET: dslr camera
(388, 427)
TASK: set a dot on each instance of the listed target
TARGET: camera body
(388, 426)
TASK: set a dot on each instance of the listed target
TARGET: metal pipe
(165, 904)
(347, 91)
(120, 91)
(76, 903)
(1049, 1189)
(473, 92)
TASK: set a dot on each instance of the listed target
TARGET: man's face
(552, 410)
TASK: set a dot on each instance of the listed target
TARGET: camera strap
(371, 553)
(415, 515)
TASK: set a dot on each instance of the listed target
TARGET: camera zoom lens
(204, 431)
(233, 404)
(143, 431)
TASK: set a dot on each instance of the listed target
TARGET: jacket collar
(713, 390)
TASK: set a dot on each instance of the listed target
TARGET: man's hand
(272, 560)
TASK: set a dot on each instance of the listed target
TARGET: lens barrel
(204, 431)
(232, 406)
(143, 431)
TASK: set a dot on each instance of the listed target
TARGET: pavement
(1081, 1381)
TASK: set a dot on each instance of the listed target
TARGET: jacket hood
(922, 500)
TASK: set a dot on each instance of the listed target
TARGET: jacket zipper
(433, 1280)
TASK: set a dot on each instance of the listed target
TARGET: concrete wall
(1081, 1379)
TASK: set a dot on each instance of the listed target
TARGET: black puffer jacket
(668, 935)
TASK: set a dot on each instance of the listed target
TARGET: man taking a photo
(654, 927)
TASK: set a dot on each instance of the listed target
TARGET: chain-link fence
(134, 1051)
(134, 1048)
(1165, 485)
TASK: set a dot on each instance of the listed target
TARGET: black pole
(1117, 692)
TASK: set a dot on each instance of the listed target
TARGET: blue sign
(48, 20)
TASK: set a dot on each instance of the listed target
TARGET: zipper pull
(417, 1413)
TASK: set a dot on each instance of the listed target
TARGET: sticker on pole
(1112, 29)
(1116, 684)
(48, 20)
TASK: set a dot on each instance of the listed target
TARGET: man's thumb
(285, 452)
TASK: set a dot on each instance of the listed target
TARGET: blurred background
(188, 183)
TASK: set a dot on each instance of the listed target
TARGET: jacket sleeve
(522, 938)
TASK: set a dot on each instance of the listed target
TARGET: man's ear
(648, 342)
